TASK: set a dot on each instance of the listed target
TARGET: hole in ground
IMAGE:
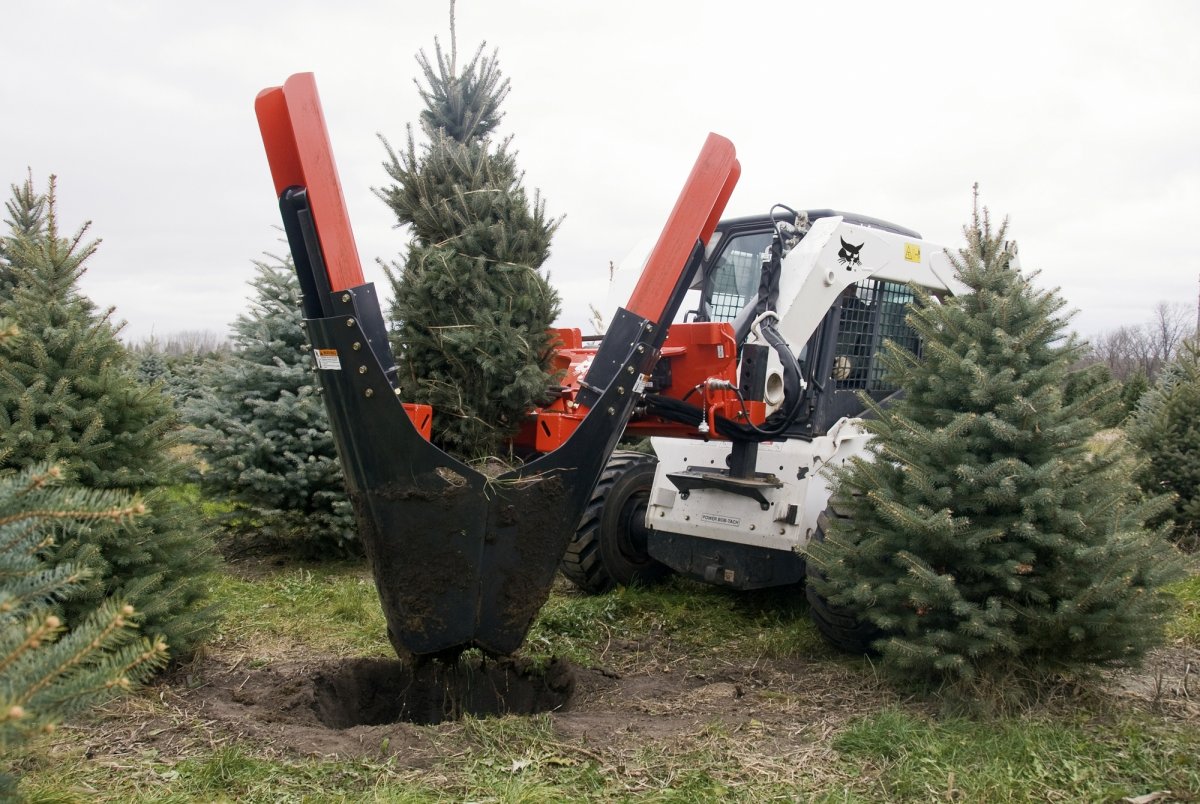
(370, 692)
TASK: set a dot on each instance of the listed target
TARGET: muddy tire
(841, 628)
(609, 546)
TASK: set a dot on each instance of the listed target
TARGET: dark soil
(779, 712)
(371, 692)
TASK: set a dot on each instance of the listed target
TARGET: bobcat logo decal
(848, 256)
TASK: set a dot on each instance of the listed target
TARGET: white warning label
(327, 359)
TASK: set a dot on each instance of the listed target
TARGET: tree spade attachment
(460, 559)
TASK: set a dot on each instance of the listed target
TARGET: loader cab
(729, 276)
(731, 269)
(842, 357)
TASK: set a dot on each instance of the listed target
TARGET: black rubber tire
(609, 546)
(841, 628)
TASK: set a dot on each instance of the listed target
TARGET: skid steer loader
(740, 352)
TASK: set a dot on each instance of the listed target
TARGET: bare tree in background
(1143, 348)
(1168, 329)
(194, 342)
(1115, 348)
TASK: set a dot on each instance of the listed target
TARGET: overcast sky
(1080, 121)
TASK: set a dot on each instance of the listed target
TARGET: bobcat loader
(741, 352)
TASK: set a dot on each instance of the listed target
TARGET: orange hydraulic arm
(693, 219)
(299, 153)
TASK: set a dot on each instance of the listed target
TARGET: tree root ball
(369, 692)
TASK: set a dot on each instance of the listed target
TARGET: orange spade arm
(299, 153)
(695, 216)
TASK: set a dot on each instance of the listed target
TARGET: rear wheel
(609, 546)
(838, 625)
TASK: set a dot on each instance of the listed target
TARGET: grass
(681, 615)
(511, 760)
(209, 508)
(894, 752)
(1021, 759)
(1186, 625)
(229, 773)
(332, 609)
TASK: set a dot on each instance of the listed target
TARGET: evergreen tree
(151, 367)
(1132, 391)
(1095, 381)
(26, 215)
(46, 676)
(1166, 427)
(68, 395)
(989, 531)
(470, 305)
(180, 361)
(263, 431)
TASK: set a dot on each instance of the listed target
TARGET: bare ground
(773, 717)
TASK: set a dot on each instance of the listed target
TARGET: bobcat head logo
(848, 256)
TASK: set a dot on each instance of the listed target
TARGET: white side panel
(792, 510)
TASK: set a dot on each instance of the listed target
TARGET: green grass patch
(702, 620)
(335, 608)
(230, 773)
(332, 608)
(212, 510)
(521, 759)
(1186, 624)
(1022, 759)
(494, 760)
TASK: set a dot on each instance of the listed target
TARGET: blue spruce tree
(68, 395)
(263, 431)
(989, 531)
(1166, 427)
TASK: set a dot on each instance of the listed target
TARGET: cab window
(734, 275)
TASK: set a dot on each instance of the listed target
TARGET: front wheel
(609, 546)
(838, 625)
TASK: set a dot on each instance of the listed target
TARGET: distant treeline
(193, 342)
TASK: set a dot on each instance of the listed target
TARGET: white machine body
(834, 255)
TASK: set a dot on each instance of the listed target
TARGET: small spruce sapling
(1166, 428)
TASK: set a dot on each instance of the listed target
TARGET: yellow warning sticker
(912, 252)
(327, 359)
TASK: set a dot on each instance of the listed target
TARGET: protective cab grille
(872, 311)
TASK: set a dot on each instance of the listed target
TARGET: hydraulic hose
(777, 424)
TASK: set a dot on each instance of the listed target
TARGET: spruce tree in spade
(471, 306)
